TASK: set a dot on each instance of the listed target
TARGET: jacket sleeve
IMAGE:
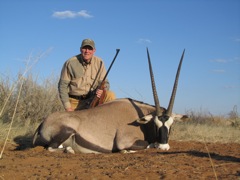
(63, 86)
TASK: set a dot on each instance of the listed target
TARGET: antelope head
(163, 119)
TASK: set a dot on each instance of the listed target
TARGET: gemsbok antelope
(122, 124)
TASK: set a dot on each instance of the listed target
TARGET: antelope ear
(180, 117)
(145, 119)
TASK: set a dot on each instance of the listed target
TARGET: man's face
(87, 53)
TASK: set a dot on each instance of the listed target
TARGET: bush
(209, 119)
(37, 100)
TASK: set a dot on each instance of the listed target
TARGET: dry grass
(205, 127)
(35, 103)
(26, 100)
(205, 133)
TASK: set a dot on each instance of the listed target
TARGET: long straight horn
(171, 102)
(155, 96)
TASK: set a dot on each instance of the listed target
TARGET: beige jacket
(77, 77)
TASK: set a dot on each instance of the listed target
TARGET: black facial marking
(163, 119)
(162, 132)
(163, 135)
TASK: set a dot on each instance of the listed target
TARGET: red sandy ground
(184, 160)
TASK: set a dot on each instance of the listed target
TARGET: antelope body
(110, 127)
(122, 124)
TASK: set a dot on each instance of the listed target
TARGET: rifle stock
(96, 100)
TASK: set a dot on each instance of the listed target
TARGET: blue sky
(209, 30)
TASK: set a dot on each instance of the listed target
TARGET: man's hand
(99, 92)
(69, 109)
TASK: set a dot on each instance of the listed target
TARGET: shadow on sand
(205, 154)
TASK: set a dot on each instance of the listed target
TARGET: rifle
(97, 101)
